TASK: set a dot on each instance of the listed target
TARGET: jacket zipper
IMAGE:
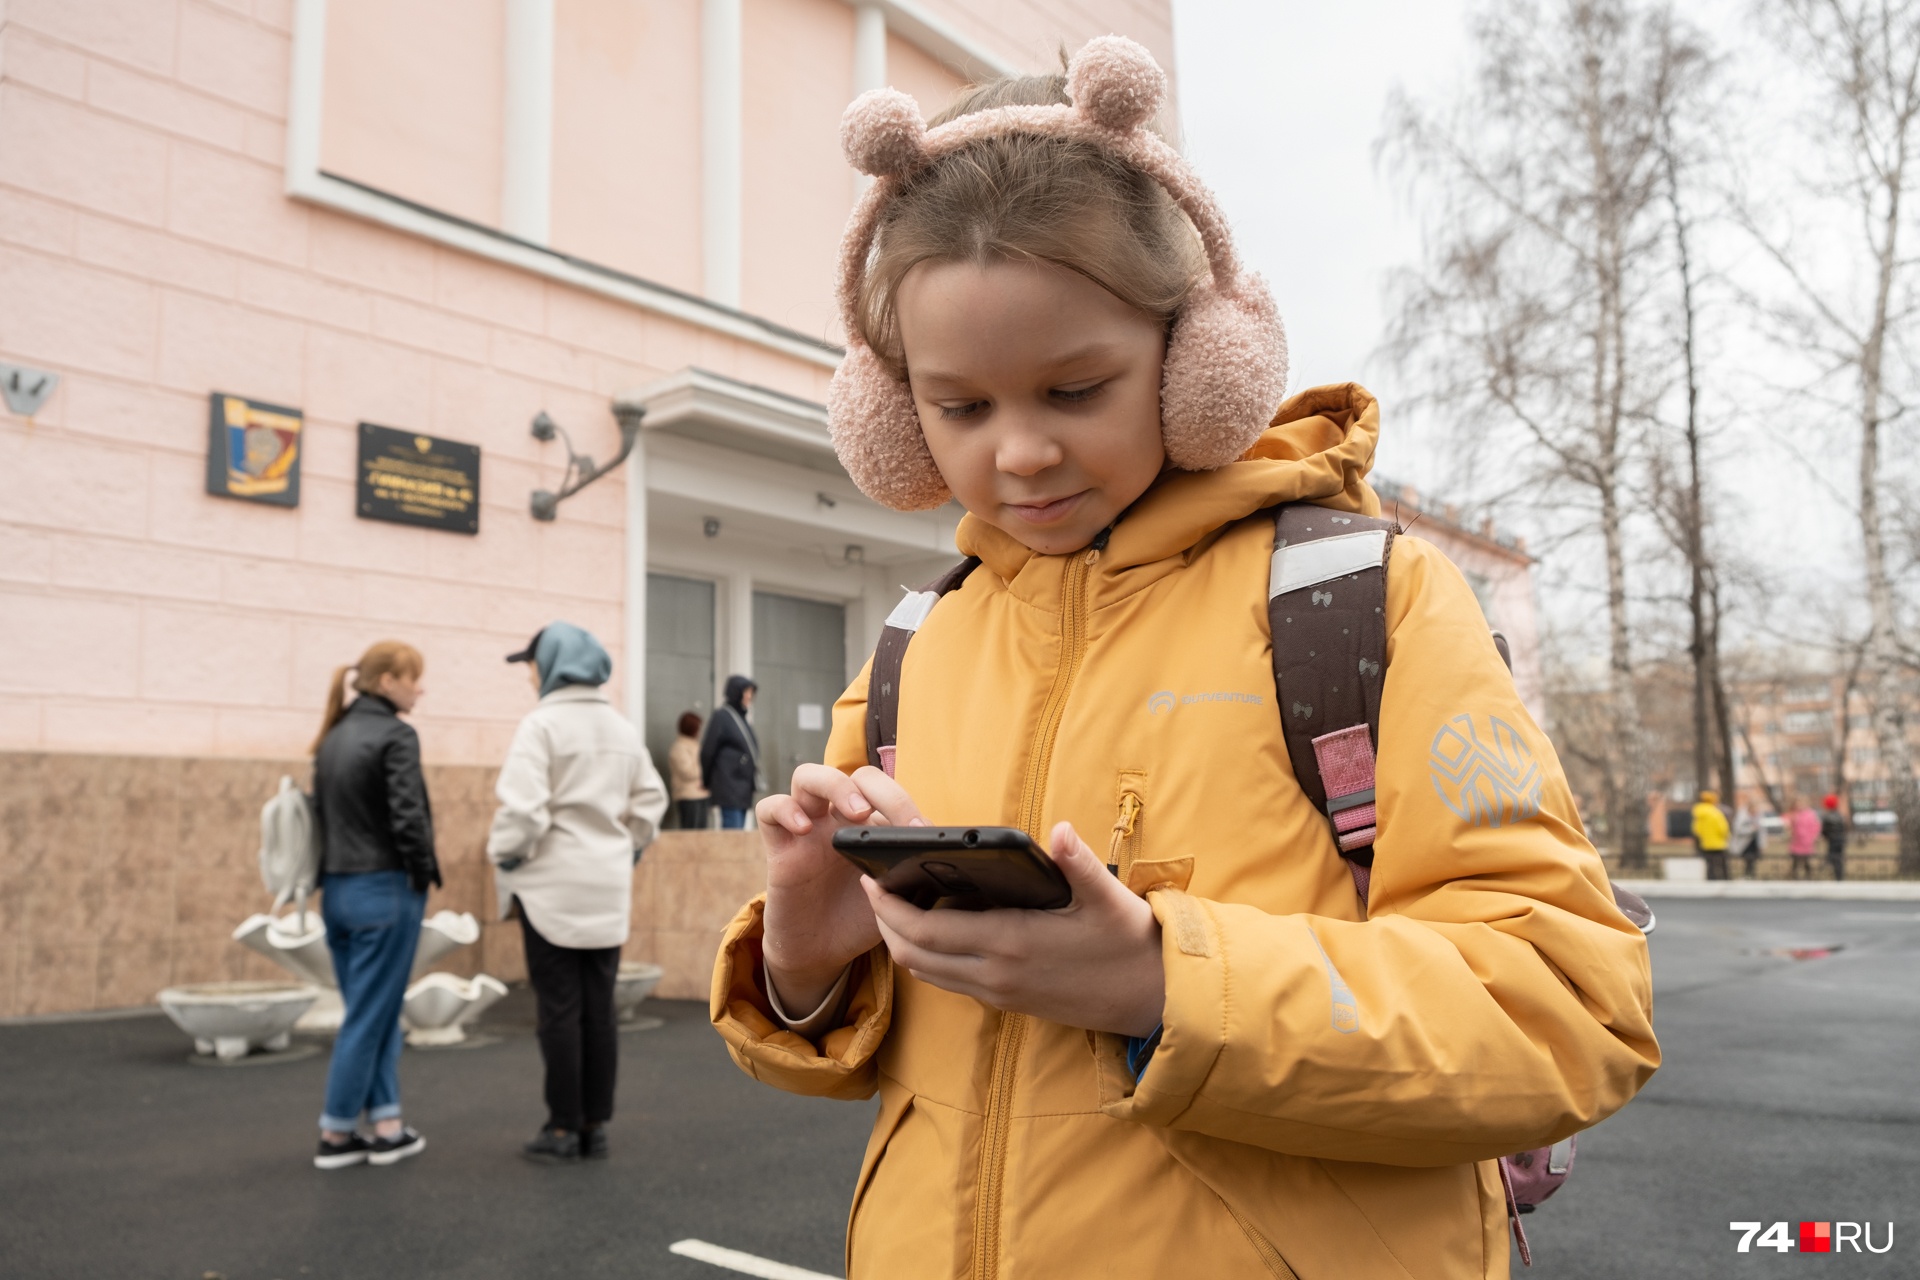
(1012, 1033)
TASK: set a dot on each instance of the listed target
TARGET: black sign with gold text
(418, 480)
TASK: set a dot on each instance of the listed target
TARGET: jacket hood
(1319, 448)
(737, 687)
(567, 654)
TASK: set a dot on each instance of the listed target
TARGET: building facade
(289, 290)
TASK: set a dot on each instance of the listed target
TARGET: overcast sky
(1281, 102)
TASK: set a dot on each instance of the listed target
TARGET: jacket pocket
(894, 1109)
(1269, 1256)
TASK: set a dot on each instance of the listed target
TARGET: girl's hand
(1093, 964)
(817, 919)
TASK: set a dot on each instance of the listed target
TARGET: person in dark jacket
(377, 862)
(730, 754)
(1833, 829)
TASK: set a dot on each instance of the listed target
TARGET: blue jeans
(732, 819)
(373, 925)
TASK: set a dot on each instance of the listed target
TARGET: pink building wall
(149, 255)
(626, 141)
(164, 653)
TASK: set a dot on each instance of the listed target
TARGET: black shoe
(397, 1148)
(553, 1146)
(338, 1155)
(593, 1143)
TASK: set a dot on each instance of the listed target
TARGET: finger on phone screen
(888, 797)
(783, 813)
(822, 791)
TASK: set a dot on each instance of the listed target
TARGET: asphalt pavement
(1788, 1095)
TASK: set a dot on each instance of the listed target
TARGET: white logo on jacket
(1484, 771)
(1167, 700)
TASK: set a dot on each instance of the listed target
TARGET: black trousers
(693, 814)
(578, 1039)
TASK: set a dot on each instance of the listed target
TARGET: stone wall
(120, 875)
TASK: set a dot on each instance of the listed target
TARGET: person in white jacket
(579, 799)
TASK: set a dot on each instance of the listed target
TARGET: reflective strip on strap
(913, 610)
(1306, 564)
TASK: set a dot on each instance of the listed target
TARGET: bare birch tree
(1854, 294)
(1530, 321)
(1687, 506)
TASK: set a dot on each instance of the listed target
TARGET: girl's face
(1039, 393)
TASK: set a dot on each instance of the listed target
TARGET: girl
(1219, 1060)
(377, 862)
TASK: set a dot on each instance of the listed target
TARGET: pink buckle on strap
(1347, 771)
(886, 760)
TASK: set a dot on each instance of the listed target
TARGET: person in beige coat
(579, 799)
(690, 795)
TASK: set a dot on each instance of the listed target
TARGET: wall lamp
(581, 470)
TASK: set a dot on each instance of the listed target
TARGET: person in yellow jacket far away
(1711, 831)
(1220, 1060)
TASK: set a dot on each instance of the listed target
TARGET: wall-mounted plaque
(253, 450)
(420, 480)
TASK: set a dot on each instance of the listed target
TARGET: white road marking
(745, 1263)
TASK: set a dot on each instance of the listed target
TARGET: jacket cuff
(828, 1013)
(1192, 1031)
(833, 1064)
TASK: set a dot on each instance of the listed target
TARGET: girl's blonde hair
(1021, 198)
(388, 656)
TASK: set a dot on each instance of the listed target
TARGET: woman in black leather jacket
(375, 827)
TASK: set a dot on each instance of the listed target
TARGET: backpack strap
(890, 655)
(1326, 607)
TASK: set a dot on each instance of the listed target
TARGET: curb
(1844, 890)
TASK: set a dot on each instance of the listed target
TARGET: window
(1808, 721)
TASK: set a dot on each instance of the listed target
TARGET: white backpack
(289, 851)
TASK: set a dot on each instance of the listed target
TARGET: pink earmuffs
(1226, 365)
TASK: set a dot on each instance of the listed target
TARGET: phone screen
(964, 868)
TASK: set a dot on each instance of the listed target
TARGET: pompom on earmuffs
(1226, 364)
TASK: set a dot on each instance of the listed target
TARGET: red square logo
(1816, 1237)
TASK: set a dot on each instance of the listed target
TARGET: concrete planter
(231, 1019)
(441, 932)
(301, 951)
(631, 988)
(437, 1009)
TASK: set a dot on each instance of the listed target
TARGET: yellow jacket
(1709, 827)
(1330, 1091)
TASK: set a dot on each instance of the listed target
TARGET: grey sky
(1281, 102)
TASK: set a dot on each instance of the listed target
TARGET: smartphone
(966, 868)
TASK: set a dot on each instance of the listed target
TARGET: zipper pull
(1099, 545)
(1122, 828)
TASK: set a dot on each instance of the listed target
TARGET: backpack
(289, 847)
(1326, 606)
